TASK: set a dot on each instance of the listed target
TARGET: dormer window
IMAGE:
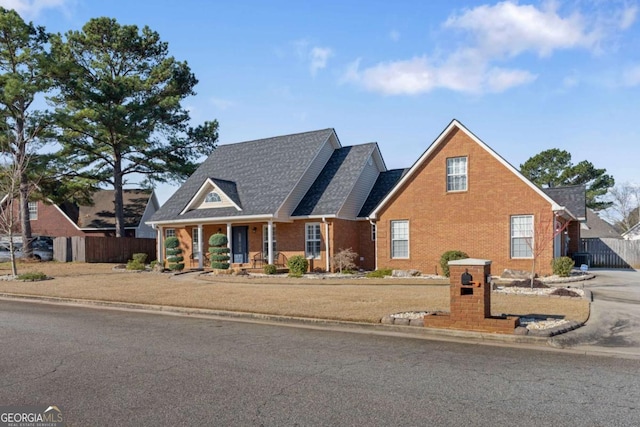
(212, 197)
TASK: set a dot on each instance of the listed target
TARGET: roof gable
(572, 197)
(226, 192)
(333, 185)
(384, 184)
(441, 139)
(596, 227)
(265, 173)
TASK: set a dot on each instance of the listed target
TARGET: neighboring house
(597, 228)
(305, 194)
(633, 233)
(68, 219)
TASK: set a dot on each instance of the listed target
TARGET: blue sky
(524, 76)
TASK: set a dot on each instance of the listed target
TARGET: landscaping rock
(405, 273)
(387, 320)
(402, 322)
(158, 268)
(521, 330)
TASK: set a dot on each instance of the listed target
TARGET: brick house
(68, 219)
(306, 194)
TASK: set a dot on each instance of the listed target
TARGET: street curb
(469, 337)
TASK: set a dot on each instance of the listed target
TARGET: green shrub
(218, 251)
(175, 260)
(298, 265)
(33, 276)
(154, 263)
(135, 265)
(379, 273)
(140, 257)
(562, 266)
(270, 269)
(450, 256)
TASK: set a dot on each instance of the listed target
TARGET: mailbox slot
(466, 291)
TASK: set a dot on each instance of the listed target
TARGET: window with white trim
(400, 239)
(169, 232)
(312, 240)
(195, 241)
(265, 240)
(522, 236)
(457, 174)
(213, 197)
(33, 210)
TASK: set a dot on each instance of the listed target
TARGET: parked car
(41, 251)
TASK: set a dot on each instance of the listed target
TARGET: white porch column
(230, 239)
(270, 240)
(160, 245)
(201, 257)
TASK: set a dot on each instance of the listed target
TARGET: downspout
(326, 242)
(375, 244)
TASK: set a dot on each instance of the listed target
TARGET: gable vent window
(212, 197)
(457, 174)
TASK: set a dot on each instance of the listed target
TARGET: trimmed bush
(218, 251)
(140, 257)
(270, 269)
(562, 266)
(135, 265)
(298, 265)
(450, 256)
(377, 274)
(174, 257)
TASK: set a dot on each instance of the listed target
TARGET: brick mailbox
(470, 292)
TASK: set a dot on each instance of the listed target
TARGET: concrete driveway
(614, 325)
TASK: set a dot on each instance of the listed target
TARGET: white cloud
(508, 28)
(394, 35)
(319, 57)
(493, 36)
(31, 8)
(628, 17)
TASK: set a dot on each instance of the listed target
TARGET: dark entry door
(239, 244)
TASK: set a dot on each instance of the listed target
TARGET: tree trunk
(118, 199)
(25, 222)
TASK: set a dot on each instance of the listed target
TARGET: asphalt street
(614, 323)
(121, 368)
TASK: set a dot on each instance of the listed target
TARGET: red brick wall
(52, 222)
(476, 221)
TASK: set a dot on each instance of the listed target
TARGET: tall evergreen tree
(23, 130)
(119, 107)
(553, 168)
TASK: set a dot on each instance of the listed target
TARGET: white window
(312, 240)
(373, 232)
(195, 240)
(212, 197)
(33, 210)
(169, 232)
(400, 239)
(457, 174)
(522, 236)
(265, 240)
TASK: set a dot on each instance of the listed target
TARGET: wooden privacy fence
(102, 249)
(609, 253)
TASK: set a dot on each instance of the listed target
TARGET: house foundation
(471, 300)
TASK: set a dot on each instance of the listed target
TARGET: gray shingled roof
(384, 184)
(264, 171)
(598, 227)
(332, 187)
(102, 213)
(571, 197)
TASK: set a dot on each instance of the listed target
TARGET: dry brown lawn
(365, 300)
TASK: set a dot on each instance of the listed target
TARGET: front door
(239, 244)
